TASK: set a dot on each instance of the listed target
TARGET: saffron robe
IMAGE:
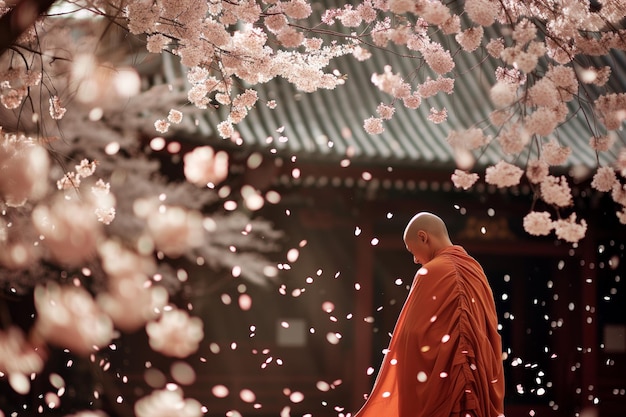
(445, 355)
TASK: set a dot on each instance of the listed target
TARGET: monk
(445, 355)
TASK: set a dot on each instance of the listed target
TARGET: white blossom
(175, 333)
(68, 317)
(167, 403)
(538, 223)
(604, 179)
(203, 166)
(569, 230)
(462, 179)
(503, 174)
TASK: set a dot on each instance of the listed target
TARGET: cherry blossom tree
(82, 196)
(553, 64)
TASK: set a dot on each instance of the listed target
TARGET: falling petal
(247, 395)
(293, 255)
(220, 391)
(245, 302)
(19, 383)
(183, 373)
(328, 306)
(296, 397)
(322, 386)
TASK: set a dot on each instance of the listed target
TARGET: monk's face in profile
(417, 245)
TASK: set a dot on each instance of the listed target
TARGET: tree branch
(17, 20)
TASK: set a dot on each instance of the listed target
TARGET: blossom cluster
(67, 228)
(230, 47)
(534, 81)
(224, 43)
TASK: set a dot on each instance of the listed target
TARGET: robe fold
(445, 355)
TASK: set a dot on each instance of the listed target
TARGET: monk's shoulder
(441, 266)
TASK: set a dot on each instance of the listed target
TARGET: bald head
(425, 235)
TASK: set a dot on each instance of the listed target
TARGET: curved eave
(327, 125)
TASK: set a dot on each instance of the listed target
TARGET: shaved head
(428, 222)
(425, 235)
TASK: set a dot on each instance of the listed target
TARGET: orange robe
(445, 355)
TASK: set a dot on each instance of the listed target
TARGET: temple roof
(327, 125)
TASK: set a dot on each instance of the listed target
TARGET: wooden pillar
(364, 302)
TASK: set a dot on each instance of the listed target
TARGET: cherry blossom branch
(17, 20)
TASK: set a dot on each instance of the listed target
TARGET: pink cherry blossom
(70, 231)
(556, 190)
(18, 355)
(413, 101)
(131, 303)
(437, 58)
(513, 139)
(542, 121)
(24, 166)
(225, 129)
(600, 76)
(174, 229)
(385, 111)
(435, 12)
(103, 202)
(157, 43)
(500, 117)
(554, 154)
(482, 12)
(537, 170)
(438, 116)
(350, 17)
(175, 333)
(289, 37)
(297, 9)
(161, 126)
(391, 83)
(612, 109)
(569, 230)
(544, 93)
(503, 174)
(452, 25)
(470, 38)
(175, 116)
(85, 168)
(604, 179)
(602, 143)
(167, 403)
(121, 262)
(401, 6)
(56, 110)
(463, 179)
(468, 139)
(373, 125)
(565, 80)
(68, 317)
(503, 94)
(13, 98)
(367, 11)
(524, 32)
(203, 166)
(538, 223)
(440, 84)
(495, 46)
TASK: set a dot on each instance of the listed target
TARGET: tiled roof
(327, 125)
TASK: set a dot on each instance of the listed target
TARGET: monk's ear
(422, 236)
